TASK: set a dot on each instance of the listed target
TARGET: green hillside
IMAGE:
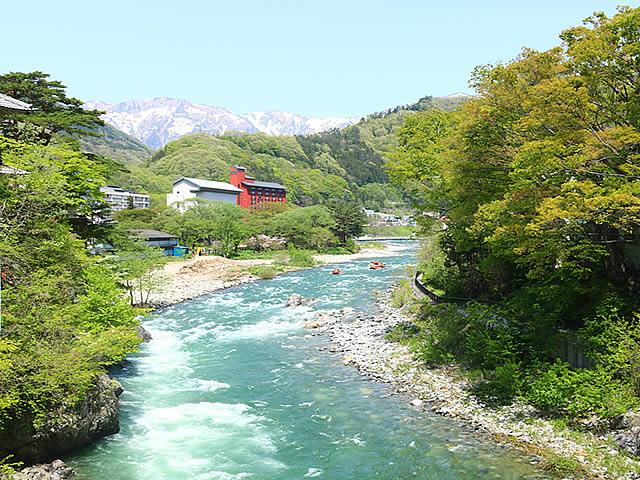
(117, 145)
(314, 168)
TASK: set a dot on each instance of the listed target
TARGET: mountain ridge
(159, 120)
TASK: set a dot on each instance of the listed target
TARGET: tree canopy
(53, 110)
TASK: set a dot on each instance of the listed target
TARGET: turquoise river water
(230, 388)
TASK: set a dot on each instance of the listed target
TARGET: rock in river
(69, 428)
(296, 300)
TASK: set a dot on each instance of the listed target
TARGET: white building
(121, 199)
(186, 188)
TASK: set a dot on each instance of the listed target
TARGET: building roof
(210, 184)
(7, 170)
(12, 104)
(112, 189)
(151, 234)
(276, 186)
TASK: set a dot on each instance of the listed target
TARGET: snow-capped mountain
(160, 120)
(285, 123)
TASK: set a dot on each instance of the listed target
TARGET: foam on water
(229, 388)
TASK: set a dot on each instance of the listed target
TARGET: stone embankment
(360, 340)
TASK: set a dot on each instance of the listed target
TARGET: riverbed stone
(629, 440)
(56, 470)
(297, 300)
(144, 334)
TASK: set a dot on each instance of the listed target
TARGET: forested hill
(338, 163)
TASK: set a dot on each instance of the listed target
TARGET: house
(187, 188)
(121, 199)
(156, 238)
(254, 192)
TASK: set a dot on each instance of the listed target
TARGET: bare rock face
(69, 428)
(56, 470)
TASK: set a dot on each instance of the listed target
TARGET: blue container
(180, 251)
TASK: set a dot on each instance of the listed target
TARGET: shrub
(300, 258)
(265, 272)
(501, 385)
(557, 389)
(402, 332)
(613, 341)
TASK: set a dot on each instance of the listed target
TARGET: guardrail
(421, 291)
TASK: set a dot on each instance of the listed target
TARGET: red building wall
(247, 198)
(239, 175)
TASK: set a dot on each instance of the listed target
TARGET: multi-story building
(187, 190)
(120, 199)
(253, 192)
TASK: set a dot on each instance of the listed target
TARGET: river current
(233, 387)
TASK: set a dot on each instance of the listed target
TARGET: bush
(580, 393)
(402, 332)
(613, 341)
(501, 385)
(477, 336)
(300, 258)
(265, 272)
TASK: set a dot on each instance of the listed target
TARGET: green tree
(348, 218)
(53, 111)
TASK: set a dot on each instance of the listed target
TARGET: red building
(254, 192)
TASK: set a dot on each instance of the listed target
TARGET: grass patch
(265, 272)
(254, 255)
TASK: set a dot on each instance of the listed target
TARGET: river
(233, 387)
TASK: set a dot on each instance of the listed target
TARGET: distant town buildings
(242, 190)
(387, 219)
(120, 199)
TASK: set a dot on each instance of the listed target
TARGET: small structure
(12, 105)
(253, 192)
(121, 199)
(7, 170)
(156, 238)
(187, 188)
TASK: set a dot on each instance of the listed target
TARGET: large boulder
(56, 470)
(629, 440)
(144, 334)
(296, 300)
(68, 428)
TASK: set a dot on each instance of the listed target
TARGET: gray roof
(151, 234)
(12, 104)
(7, 170)
(277, 186)
(210, 184)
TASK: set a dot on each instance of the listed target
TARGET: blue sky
(320, 58)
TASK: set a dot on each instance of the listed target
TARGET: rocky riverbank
(360, 340)
(56, 470)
